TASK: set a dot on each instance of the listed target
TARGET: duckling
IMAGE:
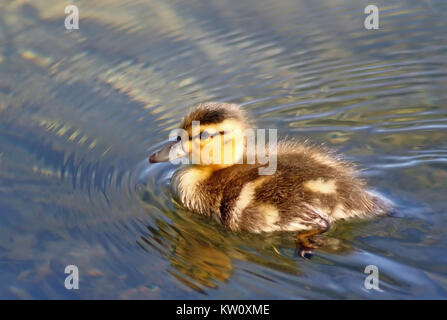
(310, 188)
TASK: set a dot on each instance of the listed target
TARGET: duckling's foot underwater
(306, 242)
(310, 188)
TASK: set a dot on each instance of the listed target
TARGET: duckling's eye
(204, 135)
(179, 138)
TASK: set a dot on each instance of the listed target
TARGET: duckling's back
(310, 189)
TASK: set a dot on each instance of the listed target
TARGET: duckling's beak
(171, 151)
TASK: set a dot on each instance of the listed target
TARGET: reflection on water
(82, 110)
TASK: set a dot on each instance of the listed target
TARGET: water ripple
(82, 110)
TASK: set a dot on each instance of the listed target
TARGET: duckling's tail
(382, 205)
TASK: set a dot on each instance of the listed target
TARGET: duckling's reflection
(202, 253)
(202, 262)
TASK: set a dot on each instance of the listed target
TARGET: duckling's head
(212, 134)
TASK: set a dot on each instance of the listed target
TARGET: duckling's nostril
(152, 158)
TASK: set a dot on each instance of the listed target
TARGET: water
(80, 112)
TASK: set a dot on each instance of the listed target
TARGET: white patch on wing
(321, 186)
(271, 214)
(271, 217)
(244, 199)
